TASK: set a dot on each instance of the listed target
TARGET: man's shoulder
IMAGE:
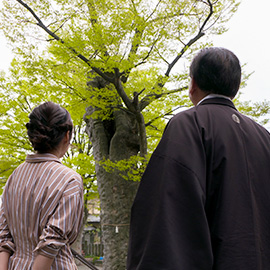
(211, 104)
(254, 125)
(191, 113)
(187, 112)
(220, 111)
(183, 121)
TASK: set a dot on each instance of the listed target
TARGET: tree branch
(126, 73)
(167, 17)
(94, 22)
(154, 96)
(192, 41)
(120, 90)
(52, 34)
(209, 15)
(154, 10)
(133, 50)
(163, 115)
(151, 97)
(184, 49)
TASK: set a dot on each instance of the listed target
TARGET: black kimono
(204, 199)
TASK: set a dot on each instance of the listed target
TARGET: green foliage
(258, 111)
(13, 142)
(84, 164)
(141, 40)
(129, 169)
(17, 99)
(114, 34)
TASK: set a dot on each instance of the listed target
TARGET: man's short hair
(217, 71)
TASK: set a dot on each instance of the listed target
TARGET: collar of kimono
(212, 96)
(41, 158)
(218, 101)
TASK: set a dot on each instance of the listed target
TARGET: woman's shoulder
(71, 173)
(66, 173)
(50, 163)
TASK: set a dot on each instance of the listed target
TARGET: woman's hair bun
(48, 124)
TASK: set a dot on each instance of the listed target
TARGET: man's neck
(212, 96)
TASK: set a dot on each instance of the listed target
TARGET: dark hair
(216, 70)
(47, 126)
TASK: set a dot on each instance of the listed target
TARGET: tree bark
(114, 139)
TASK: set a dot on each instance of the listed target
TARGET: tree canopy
(133, 46)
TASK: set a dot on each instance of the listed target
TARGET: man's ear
(195, 93)
(192, 87)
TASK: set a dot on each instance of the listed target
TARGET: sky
(247, 37)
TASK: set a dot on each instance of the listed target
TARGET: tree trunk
(114, 139)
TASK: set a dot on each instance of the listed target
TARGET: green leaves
(25, 89)
(105, 55)
(258, 111)
(129, 169)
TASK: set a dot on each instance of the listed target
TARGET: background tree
(118, 65)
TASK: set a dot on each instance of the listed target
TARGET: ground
(81, 266)
(84, 267)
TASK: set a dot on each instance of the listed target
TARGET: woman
(42, 204)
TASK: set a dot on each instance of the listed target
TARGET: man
(204, 199)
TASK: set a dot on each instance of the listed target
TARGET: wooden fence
(93, 249)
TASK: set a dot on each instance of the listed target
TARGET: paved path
(81, 266)
(84, 267)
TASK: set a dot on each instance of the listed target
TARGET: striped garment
(41, 212)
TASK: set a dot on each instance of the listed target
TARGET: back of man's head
(216, 70)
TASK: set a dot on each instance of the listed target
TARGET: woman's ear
(67, 137)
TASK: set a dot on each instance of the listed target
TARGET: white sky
(247, 37)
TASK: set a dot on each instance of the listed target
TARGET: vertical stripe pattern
(41, 212)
